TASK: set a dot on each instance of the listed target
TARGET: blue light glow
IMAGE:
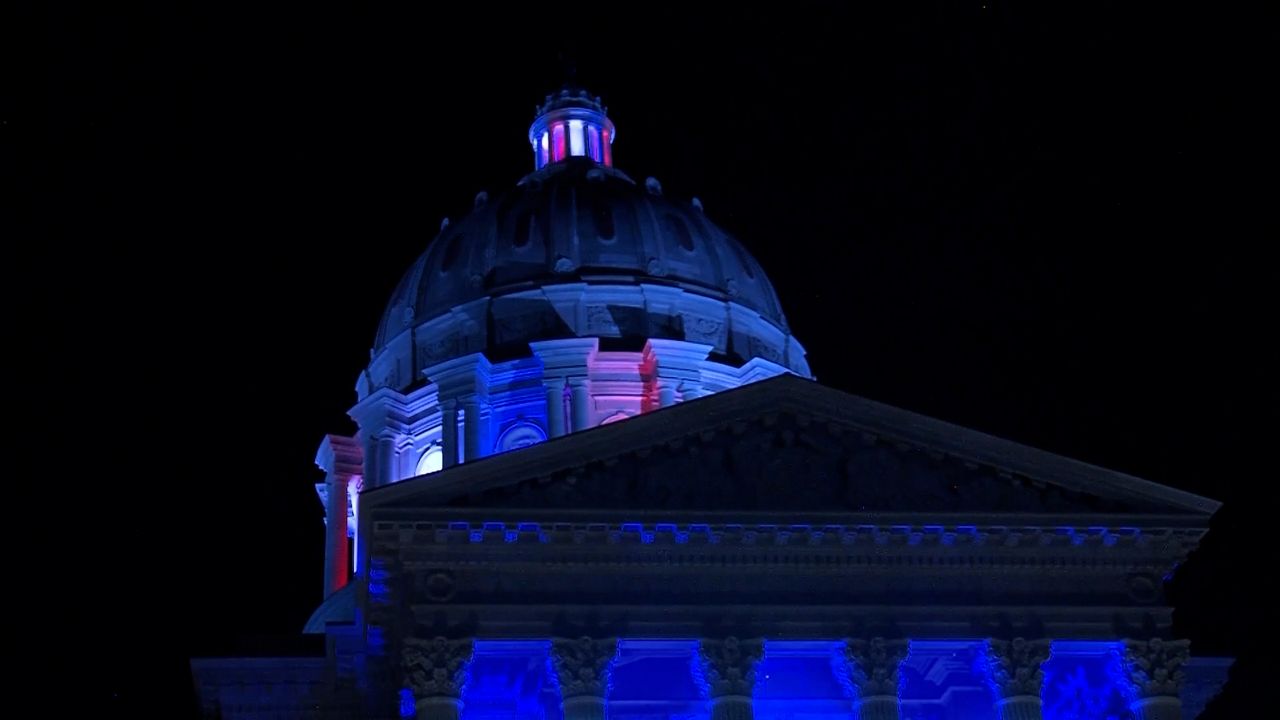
(407, 706)
(1082, 682)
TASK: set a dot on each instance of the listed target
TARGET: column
(582, 668)
(449, 432)
(435, 670)
(566, 361)
(677, 364)
(691, 390)
(868, 670)
(555, 406)
(1154, 670)
(342, 460)
(1014, 674)
(461, 382)
(728, 669)
(474, 418)
(385, 444)
(580, 403)
(666, 393)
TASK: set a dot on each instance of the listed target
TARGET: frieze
(773, 535)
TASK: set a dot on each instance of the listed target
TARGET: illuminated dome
(577, 222)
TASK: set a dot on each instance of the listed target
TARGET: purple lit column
(1015, 676)
(868, 670)
(342, 461)
(728, 669)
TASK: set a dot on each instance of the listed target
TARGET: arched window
(519, 434)
(431, 461)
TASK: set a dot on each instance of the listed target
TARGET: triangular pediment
(790, 445)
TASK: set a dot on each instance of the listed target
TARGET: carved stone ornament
(1154, 667)
(1013, 667)
(870, 667)
(583, 665)
(728, 666)
(436, 667)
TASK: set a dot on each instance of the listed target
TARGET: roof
(808, 404)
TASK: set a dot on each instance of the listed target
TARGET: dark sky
(1044, 227)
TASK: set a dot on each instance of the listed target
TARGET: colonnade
(436, 672)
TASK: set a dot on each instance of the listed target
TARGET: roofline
(805, 397)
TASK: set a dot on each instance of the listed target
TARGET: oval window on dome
(675, 228)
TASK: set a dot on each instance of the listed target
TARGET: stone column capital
(728, 666)
(1013, 667)
(436, 668)
(583, 666)
(868, 668)
(340, 456)
(1153, 668)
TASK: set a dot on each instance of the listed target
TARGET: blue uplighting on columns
(1083, 680)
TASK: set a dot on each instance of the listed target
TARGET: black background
(1046, 227)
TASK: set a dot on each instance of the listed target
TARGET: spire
(571, 123)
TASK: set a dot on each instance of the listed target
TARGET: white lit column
(677, 365)
(342, 461)
(567, 362)
(582, 667)
(1155, 671)
(728, 669)
(868, 670)
(1015, 675)
(666, 393)
(555, 406)
(435, 670)
(449, 431)
(462, 386)
(474, 417)
(580, 402)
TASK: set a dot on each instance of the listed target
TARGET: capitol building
(591, 475)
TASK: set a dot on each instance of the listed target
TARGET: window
(431, 461)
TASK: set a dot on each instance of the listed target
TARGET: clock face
(520, 434)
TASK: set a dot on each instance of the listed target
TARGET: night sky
(1042, 227)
